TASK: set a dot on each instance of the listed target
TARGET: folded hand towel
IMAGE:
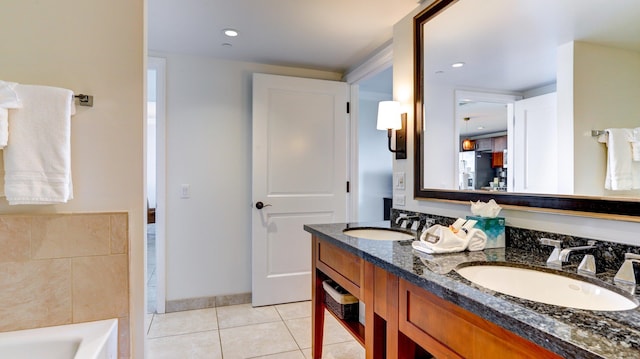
(37, 159)
(8, 99)
(440, 239)
(619, 176)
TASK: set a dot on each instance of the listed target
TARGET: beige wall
(97, 48)
(63, 269)
(208, 141)
(610, 230)
(606, 93)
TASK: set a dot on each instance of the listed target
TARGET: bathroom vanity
(418, 306)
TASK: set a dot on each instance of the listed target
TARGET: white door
(535, 157)
(300, 129)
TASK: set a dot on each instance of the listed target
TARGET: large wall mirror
(512, 96)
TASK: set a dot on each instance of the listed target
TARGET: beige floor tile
(333, 332)
(294, 310)
(244, 314)
(256, 340)
(288, 355)
(189, 321)
(349, 350)
(186, 346)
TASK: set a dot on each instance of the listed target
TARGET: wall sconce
(390, 118)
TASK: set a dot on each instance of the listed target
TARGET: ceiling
(334, 35)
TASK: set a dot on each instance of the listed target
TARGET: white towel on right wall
(635, 144)
(622, 172)
(8, 99)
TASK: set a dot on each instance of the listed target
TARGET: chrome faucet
(554, 258)
(559, 256)
(626, 276)
(408, 220)
(564, 254)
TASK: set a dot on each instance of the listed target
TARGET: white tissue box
(493, 228)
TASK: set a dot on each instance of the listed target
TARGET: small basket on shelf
(339, 301)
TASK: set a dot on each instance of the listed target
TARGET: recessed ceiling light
(480, 127)
(457, 64)
(230, 32)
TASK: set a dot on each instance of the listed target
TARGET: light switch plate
(398, 200)
(399, 180)
(185, 191)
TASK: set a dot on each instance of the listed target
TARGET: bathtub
(91, 340)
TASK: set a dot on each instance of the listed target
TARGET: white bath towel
(441, 239)
(635, 145)
(620, 169)
(37, 159)
(8, 99)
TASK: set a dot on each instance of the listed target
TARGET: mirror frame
(590, 206)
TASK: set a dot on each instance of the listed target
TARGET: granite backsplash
(609, 255)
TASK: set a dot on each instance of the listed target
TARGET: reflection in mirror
(561, 68)
(483, 133)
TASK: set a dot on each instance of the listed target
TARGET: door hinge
(348, 107)
(348, 187)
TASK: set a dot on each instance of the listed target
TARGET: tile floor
(151, 268)
(241, 331)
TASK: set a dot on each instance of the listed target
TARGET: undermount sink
(546, 286)
(385, 234)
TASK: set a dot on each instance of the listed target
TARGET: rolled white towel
(477, 239)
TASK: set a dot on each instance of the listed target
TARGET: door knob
(260, 205)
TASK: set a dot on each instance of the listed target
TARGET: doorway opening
(374, 174)
(154, 251)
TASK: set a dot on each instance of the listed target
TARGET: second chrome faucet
(560, 256)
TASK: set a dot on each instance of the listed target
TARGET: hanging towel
(635, 145)
(37, 159)
(8, 99)
(620, 169)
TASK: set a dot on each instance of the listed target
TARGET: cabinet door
(483, 144)
(499, 143)
(341, 266)
(448, 331)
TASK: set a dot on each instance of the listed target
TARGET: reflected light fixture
(390, 118)
(467, 144)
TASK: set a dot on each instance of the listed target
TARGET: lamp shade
(389, 115)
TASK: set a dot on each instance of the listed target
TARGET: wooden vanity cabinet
(404, 321)
(344, 268)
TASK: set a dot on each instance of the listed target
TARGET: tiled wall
(64, 268)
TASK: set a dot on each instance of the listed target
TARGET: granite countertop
(571, 333)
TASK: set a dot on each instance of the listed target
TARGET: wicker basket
(340, 302)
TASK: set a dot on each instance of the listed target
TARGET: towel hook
(84, 100)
